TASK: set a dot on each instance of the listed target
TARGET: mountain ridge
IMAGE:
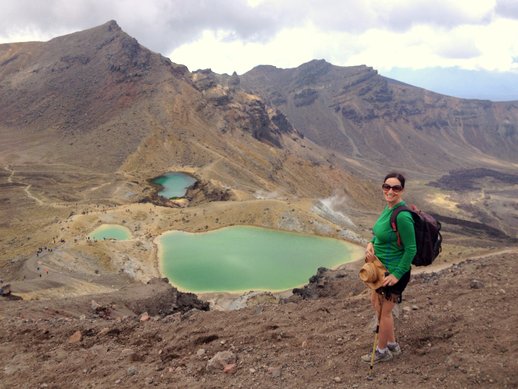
(322, 100)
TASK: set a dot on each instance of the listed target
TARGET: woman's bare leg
(386, 331)
(386, 320)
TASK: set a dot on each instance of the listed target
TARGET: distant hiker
(5, 290)
(396, 259)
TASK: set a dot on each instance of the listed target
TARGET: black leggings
(395, 292)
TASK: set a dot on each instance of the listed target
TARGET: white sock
(392, 344)
(382, 350)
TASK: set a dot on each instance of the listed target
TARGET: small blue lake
(243, 258)
(111, 231)
(174, 185)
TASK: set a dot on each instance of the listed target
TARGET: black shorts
(395, 292)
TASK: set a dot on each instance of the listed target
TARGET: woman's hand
(369, 252)
(390, 280)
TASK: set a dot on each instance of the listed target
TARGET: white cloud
(228, 35)
(499, 46)
(214, 50)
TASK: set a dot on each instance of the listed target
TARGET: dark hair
(399, 176)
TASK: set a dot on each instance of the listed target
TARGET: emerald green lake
(111, 231)
(244, 258)
(174, 184)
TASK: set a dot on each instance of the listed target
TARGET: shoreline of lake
(352, 250)
(113, 232)
(173, 185)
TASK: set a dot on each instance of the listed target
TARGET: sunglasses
(395, 188)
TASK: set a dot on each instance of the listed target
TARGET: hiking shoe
(394, 349)
(378, 356)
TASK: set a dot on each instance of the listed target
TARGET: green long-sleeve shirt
(397, 259)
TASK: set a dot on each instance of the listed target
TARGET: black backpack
(428, 237)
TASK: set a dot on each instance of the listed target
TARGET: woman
(397, 258)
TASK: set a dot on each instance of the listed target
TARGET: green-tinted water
(111, 231)
(246, 258)
(174, 184)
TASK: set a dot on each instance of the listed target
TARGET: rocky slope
(355, 111)
(456, 328)
(100, 95)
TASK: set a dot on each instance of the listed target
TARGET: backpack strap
(393, 222)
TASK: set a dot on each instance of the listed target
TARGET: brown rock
(75, 337)
(221, 360)
(230, 368)
(275, 371)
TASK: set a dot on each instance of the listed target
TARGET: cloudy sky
(403, 39)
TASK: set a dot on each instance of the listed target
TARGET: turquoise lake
(243, 258)
(111, 231)
(174, 184)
